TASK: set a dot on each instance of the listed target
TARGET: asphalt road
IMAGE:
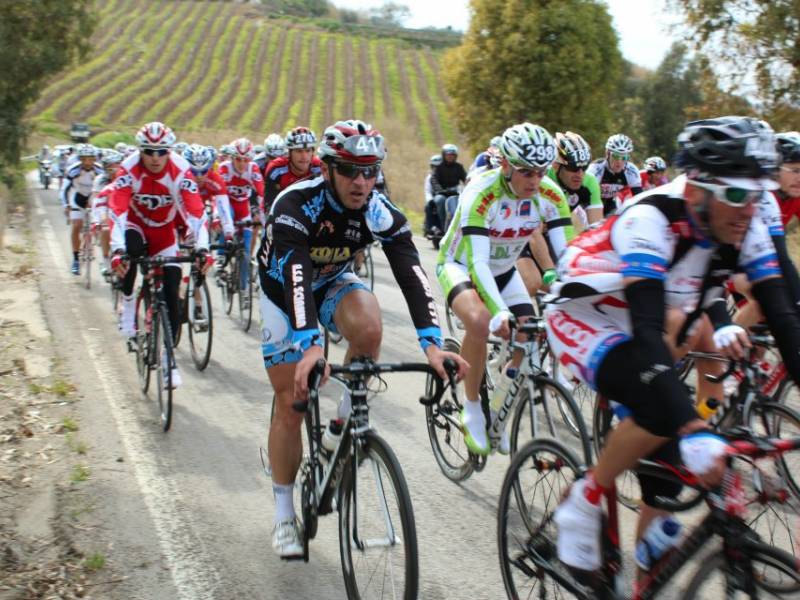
(188, 514)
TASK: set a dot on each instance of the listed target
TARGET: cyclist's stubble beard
(300, 160)
(352, 193)
(725, 224)
(572, 180)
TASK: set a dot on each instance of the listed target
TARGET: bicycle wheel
(245, 305)
(115, 295)
(143, 342)
(552, 412)
(368, 269)
(788, 394)
(377, 534)
(164, 360)
(86, 259)
(772, 573)
(774, 420)
(199, 322)
(443, 421)
(537, 479)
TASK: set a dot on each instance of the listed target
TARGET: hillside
(214, 71)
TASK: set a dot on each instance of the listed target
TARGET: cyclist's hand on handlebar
(304, 368)
(731, 341)
(204, 261)
(437, 356)
(500, 326)
(119, 264)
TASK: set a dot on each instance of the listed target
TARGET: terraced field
(206, 67)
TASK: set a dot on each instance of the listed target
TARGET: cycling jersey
(790, 207)
(490, 228)
(648, 182)
(652, 238)
(214, 193)
(78, 183)
(102, 188)
(310, 245)
(625, 183)
(554, 212)
(154, 204)
(585, 197)
(278, 176)
(241, 186)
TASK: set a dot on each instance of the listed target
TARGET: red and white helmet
(155, 135)
(243, 148)
(299, 138)
(352, 141)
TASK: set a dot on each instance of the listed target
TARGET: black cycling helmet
(789, 146)
(733, 147)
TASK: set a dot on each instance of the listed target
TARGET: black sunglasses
(156, 151)
(352, 171)
(574, 168)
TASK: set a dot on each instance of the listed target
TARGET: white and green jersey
(490, 228)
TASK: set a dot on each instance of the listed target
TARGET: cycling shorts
(582, 331)
(78, 204)
(454, 279)
(278, 338)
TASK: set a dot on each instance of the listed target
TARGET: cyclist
(211, 187)
(789, 176)
(618, 177)
(654, 173)
(64, 155)
(274, 147)
(446, 180)
(488, 159)
(619, 280)
(305, 267)
(569, 171)
(103, 186)
(495, 219)
(76, 192)
(155, 193)
(299, 163)
(244, 182)
(431, 216)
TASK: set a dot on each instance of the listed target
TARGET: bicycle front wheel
(246, 306)
(143, 342)
(772, 573)
(200, 323)
(377, 534)
(164, 360)
(86, 260)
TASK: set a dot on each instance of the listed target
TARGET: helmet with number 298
(155, 135)
(528, 146)
(352, 141)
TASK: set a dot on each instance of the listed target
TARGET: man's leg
(530, 274)
(441, 210)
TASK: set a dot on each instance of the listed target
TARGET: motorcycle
(45, 173)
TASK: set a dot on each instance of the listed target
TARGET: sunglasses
(352, 171)
(528, 173)
(732, 196)
(156, 151)
(199, 172)
(792, 170)
(571, 169)
(615, 156)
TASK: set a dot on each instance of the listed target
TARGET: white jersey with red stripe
(241, 186)
(156, 203)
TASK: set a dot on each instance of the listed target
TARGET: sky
(642, 39)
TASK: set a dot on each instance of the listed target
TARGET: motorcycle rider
(432, 230)
(445, 181)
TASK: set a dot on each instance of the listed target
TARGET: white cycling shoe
(475, 433)
(175, 378)
(579, 522)
(286, 538)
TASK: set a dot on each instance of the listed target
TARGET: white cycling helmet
(155, 136)
(352, 141)
(199, 157)
(112, 157)
(121, 147)
(274, 145)
(436, 160)
(528, 146)
(242, 148)
(655, 163)
(299, 138)
(84, 150)
(179, 147)
(619, 143)
(449, 149)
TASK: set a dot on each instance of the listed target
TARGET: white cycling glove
(727, 335)
(498, 319)
(699, 451)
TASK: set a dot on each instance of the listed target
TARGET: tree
(740, 35)
(390, 14)
(553, 63)
(37, 39)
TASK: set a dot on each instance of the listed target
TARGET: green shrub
(107, 139)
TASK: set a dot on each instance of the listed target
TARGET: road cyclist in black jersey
(618, 176)
(314, 229)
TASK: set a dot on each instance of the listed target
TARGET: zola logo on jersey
(326, 254)
(298, 298)
(153, 201)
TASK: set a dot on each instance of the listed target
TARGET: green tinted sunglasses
(732, 196)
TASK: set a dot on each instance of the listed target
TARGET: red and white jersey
(241, 186)
(156, 203)
(214, 192)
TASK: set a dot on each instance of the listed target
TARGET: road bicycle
(86, 254)
(539, 477)
(363, 480)
(535, 402)
(153, 343)
(199, 315)
(233, 281)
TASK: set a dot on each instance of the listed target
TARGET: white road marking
(189, 562)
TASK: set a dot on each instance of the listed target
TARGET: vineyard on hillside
(213, 70)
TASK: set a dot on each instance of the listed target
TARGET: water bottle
(706, 408)
(662, 534)
(330, 439)
(501, 389)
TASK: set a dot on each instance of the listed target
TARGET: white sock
(473, 411)
(284, 501)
